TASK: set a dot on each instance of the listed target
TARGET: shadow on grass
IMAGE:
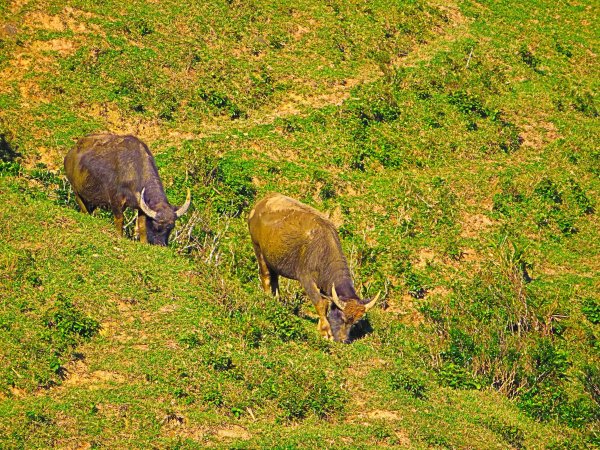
(7, 151)
(361, 329)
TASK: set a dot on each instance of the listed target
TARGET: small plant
(457, 377)
(38, 418)
(285, 325)
(69, 321)
(219, 362)
(416, 287)
(400, 380)
(529, 58)
(327, 191)
(191, 340)
(221, 103)
(312, 393)
(253, 336)
(548, 191)
(461, 348)
(213, 396)
(510, 433)
(234, 190)
(591, 310)
(582, 200)
(468, 104)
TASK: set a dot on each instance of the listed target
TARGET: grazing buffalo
(296, 241)
(115, 172)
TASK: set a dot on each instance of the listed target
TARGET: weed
(38, 418)
(457, 377)
(468, 104)
(283, 324)
(529, 58)
(400, 380)
(590, 378)
(591, 310)
(234, 190)
(219, 362)
(548, 191)
(213, 396)
(311, 393)
(512, 434)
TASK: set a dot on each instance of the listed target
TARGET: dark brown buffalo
(115, 172)
(296, 241)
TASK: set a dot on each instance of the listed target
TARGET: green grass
(454, 146)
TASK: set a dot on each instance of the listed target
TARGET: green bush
(401, 380)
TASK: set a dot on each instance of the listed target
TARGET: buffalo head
(160, 220)
(343, 314)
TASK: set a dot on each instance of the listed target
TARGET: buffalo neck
(338, 273)
(154, 194)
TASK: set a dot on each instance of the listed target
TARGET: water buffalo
(115, 172)
(296, 241)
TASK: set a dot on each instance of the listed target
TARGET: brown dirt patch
(474, 224)
(426, 256)
(18, 393)
(39, 20)
(79, 375)
(538, 135)
(148, 131)
(382, 414)
(73, 446)
(52, 158)
(61, 45)
(195, 433)
(403, 307)
(232, 432)
(470, 255)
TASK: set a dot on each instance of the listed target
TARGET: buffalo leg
(141, 223)
(119, 224)
(82, 206)
(321, 303)
(268, 279)
(117, 211)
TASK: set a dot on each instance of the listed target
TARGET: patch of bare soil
(538, 135)
(403, 307)
(116, 122)
(52, 158)
(383, 414)
(426, 256)
(455, 29)
(474, 224)
(232, 432)
(296, 104)
(41, 21)
(62, 46)
(183, 430)
(78, 374)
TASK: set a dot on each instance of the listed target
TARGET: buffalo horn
(369, 305)
(335, 298)
(145, 208)
(183, 209)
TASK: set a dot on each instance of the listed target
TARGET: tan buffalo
(296, 241)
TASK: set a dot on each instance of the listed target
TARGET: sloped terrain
(455, 146)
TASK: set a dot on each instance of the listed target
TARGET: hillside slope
(454, 145)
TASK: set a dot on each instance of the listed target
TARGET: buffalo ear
(336, 299)
(144, 207)
(183, 209)
(369, 305)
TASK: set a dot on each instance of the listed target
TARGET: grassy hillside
(455, 146)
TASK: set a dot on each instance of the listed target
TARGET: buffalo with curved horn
(296, 241)
(117, 172)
